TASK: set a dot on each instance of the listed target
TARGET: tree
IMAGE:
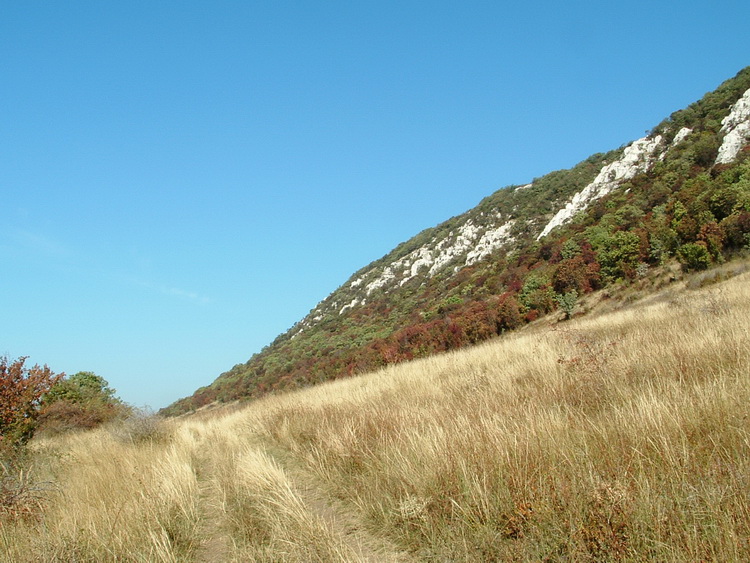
(618, 254)
(83, 400)
(693, 256)
(82, 387)
(21, 392)
(508, 313)
(575, 273)
(536, 294)
(567, 302)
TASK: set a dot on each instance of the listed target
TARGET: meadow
(621, 436)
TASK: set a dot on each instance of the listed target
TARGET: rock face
(637, 158)
(736, 129)
(643, 153)
(681, 136)
(462, 247)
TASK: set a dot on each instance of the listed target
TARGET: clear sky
(182, 181)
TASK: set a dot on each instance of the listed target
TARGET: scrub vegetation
(619, 436)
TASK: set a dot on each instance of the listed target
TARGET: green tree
(82, 387)
(704, 150)
(618, 254)
(83, 400)
(694, 256)
(567, 302)
(570, 249)
(537, 294)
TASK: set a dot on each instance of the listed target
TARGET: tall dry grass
(620, 437)
(623, 437)
(112, 497)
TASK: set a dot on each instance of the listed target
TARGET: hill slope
(614, 437)
(680, 193)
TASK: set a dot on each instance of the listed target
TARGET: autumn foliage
(21, 392)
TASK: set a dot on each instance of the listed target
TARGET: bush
(68, 416)
(80, 402)
(140, 427)
(694, 257)
(21, 494)
(21, 392)
(509, 314)
(567, 302)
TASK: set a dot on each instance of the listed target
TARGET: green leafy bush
(567, 302)
(694, 256)
(79, 402)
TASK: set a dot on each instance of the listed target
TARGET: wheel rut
(343, 519)
(216, 541)
(343, 522)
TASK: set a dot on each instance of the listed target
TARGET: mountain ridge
(681, 193)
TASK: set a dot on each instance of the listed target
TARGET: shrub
(66, 416)
(21, 392)
(142, 426)
(509, 314)
(82, 401)
(537, 294)
(21, 494)
(575, 274)
(619, 254)
(735, 229)
(567, 302)
(693, 256)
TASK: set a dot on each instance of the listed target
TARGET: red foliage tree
(575, 273)
(477, 321)
(21, 392)
(509, 313)
(713, 237)
(735, 229)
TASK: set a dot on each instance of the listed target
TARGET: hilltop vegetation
(683, 207)
(612, 437)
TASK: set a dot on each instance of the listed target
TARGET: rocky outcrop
(637, 158)
(736, 129)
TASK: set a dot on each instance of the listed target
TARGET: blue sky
(183, 181)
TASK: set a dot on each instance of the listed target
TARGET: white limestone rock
(384, 279)
(637, 158)
(465, 246)
(736, 129)
(490, 240)
(681, 136)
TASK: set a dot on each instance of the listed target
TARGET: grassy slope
(620, 436)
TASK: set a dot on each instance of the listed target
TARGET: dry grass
(113, 499)
(619, 437)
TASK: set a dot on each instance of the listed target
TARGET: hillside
(620, 436)
(680, 194)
